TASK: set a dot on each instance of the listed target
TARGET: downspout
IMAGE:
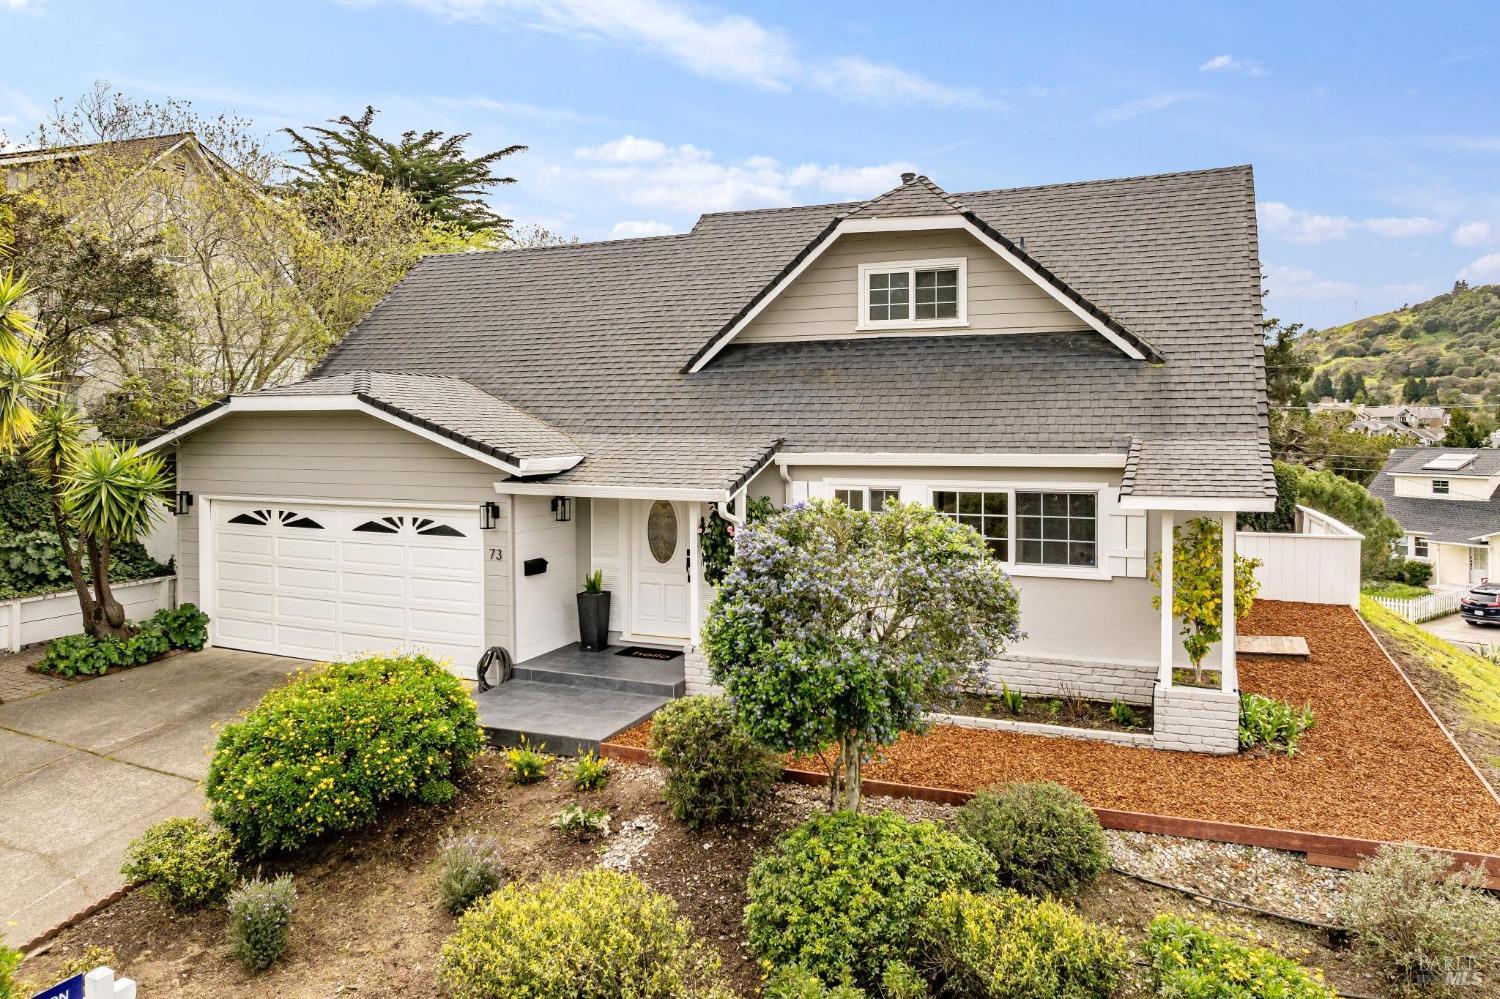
(737, 519)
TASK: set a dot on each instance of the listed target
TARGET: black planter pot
(593, 620)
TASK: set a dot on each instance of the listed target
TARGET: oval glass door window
(661, 531)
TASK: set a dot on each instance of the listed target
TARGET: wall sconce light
(182, 502)
(562, 508)
(489, 515)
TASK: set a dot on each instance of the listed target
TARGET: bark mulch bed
(1374, 766)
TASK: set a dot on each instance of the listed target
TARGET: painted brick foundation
(695, 671)
(1130, 682)
(1195, 720)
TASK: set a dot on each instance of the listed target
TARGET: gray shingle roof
(1486, 461)
(593, 338)
(668, 461)
(1452, 520)
(918, 196)
(449, 406)
(1207, 468)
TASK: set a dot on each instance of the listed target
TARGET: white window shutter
(797, 491)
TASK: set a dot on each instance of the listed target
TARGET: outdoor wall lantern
(562, 508)
(489, 515)
(182, 502)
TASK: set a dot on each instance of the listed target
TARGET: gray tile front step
(567, 718)
(605, 670)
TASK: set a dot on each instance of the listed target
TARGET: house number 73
(495, 555)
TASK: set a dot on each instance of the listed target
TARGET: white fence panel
(53, 615)
(1424, 608)
(1318, 565)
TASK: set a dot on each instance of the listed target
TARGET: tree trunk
(74, 563)
(849, 750)
(109, 613)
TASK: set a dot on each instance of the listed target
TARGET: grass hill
(1449, 344)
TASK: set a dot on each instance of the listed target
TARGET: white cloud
(640, 227)
(1301, 226)
(20, 4)
(1402, 227)
(1140, 106)
(690, 180)
(626, 149)
(1472, 233)
(1485, 269)
(1300, 283)
(1226, 63)
(860, 79)
(717, 45)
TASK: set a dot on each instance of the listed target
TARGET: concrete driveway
(84, 768)
(1452, 628)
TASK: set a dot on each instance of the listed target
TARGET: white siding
(823, 303)
(606, 555)
(1309, 568)
(545, 606)
(341, 456)
(1459, 488)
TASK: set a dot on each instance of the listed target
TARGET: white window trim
(1447, 489)
(864, 485)
(1100, 569)
(1411, 547)
(960, 264)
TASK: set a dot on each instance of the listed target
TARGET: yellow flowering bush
(1190, 962)
(599, 934)
(1005, 945)
(325, 751)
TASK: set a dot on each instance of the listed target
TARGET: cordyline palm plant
(26, 379)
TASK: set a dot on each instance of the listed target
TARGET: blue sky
(1374, 134)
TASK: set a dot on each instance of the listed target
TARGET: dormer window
(913, 294)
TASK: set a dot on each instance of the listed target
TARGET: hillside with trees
(1445, 350)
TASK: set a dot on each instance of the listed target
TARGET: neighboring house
(1420, 425)
(1071, 369)
(1448, 502)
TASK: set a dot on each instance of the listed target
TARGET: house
(1073, 370)
(1448, 502)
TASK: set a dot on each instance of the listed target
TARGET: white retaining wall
(695, 672)
(1317, 565)
(1196, 720)
(1138, 739)
(53, 615)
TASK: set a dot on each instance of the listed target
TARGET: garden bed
(1073, 712)
(1374, 766)
(367, 921)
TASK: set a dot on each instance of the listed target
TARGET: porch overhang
(547, 487)
(1200, 504)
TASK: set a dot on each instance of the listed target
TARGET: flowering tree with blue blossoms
(837, 629)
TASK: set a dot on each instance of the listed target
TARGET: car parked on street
(1481, 605)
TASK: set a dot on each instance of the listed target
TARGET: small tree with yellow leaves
(1197, 586)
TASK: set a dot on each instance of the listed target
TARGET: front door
(659, 531)
(1479, 565)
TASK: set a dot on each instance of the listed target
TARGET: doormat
(639, 652)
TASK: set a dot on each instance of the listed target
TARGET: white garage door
(328, 582)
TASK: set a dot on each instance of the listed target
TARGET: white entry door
(327, 582)
(1479, 565)
(659, 541)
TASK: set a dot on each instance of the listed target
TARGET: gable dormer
(914, 262)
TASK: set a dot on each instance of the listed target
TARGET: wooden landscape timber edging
(1320, 849)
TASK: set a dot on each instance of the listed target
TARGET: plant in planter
(593, 612)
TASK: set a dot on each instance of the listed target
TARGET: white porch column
(1229, 677)
(1168, 622)
(695, 570)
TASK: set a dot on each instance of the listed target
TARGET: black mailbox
(534, 566)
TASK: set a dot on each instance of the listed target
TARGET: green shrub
(589, 772)
(1422, 928)
(260, 920)
(1044, 838)
(186, 863)
(186, 627)
(1005, 945)
(1190, 962)
(11, 987)
(1123, 714)
(325, 751)
(596, 933)
(582, 823)
(32, 562)
(900, 980)
(714, 771)
(1412, 572)
(1265, 721)
(527, 765)
(25, 501)
(796, 982)
(1013, 700)
(469, 868)
(840, 894)
(93, 956)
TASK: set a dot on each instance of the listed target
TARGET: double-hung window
(1419, 547)
(1026, 527)
(872, 498)
(912, 294)
(1440, 487)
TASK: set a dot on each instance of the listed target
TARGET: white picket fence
(1423, 608)
(53, 615)
(1317, 564)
